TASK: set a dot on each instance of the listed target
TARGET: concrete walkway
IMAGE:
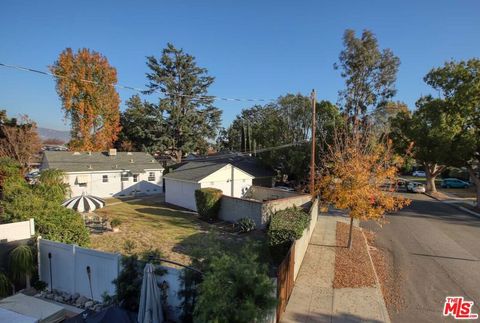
(313, 298)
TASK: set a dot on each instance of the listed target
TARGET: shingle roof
(100, 161)
(248, 164)
(195, 171)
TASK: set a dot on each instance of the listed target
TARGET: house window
(151, 177)
(124, 177)
(135, 178)
(105, 178)
(82, 184)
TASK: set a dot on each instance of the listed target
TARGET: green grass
(151, 224)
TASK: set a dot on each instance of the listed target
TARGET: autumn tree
(187, 112)
(19, 139)
(85, 83)
(353, 175)
(369, 73)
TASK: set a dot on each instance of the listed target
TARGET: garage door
(181, 193)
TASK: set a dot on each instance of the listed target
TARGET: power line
(131, 88)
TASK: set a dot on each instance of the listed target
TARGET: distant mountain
(46, 133)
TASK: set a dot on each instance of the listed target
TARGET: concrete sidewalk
(313, 298)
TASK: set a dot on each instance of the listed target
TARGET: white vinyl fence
(17, 230)
(64, 267)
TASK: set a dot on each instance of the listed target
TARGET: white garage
(180, 184)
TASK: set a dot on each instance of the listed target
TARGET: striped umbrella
(84, 203)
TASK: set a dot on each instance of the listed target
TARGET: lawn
(150, 224)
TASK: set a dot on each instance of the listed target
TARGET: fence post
(39, 268)
(32, 227)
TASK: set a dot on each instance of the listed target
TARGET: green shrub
(5, 285)
(21, 263)
(246, 224)
(208, 202)
(285, 227)
(235, 288)
(115, 222)
(40, 285)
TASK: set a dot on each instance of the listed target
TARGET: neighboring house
(106, 174)
(181, 183)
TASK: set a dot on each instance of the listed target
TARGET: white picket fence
(17, 230)
(64, 267)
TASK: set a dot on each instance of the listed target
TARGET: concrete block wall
(233, 209)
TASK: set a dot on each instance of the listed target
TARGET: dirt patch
(352, 266)
(389, 283)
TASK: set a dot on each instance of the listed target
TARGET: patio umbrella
(150, 309)
(84, 203)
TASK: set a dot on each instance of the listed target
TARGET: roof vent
(153, 160)
(76, 153)
(131, 161)
(112, 152)
(129, 153)
(116, 166)
(89, 153)
(89, 166)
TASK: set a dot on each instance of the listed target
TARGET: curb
(381, 301)
(459, 207)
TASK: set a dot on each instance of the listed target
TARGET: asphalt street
(434, 250)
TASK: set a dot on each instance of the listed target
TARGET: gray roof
(194, 171)
(69, 161)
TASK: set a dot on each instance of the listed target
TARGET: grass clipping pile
(352, 266)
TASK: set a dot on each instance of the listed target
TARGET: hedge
(208, 202)
(285, 227)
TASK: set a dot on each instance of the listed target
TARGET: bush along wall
(285, 227)
(208, 202)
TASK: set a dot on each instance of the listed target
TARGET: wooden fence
(285, 281)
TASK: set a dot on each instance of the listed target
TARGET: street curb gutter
(454, 205)
(381, 300)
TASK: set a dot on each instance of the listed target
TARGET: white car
(419, 173)
(284, 188)
(415, 187)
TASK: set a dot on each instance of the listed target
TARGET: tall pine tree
(189, 113)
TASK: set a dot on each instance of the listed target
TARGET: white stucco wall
(115, 186)
(181, 193)
(222, 180)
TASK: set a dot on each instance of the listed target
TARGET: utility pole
(312, 163)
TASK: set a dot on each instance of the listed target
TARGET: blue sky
(255, 49)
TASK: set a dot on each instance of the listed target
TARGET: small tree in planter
(5, 285)
(21, 263)
(208, 202)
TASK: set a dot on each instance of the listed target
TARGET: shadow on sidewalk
(340, 318)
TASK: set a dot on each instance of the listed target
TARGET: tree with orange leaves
(85, 84)
(358, 175)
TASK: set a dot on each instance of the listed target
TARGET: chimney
(112, 152)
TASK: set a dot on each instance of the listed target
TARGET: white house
(181, 184)
(107, 174)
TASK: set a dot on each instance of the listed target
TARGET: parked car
(415, 187)
(419, 173)
(454, 183)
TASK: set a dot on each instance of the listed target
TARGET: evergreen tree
(188, 112)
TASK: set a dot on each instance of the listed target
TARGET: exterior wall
(301, 244)
(17, 230)
(181, 193)
(233, 209)
(68, 267)
(222, 179)
(115, 186)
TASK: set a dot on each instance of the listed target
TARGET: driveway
(434, 249)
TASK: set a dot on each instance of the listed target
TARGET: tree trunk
(350, 234)
(431, 187)
(27, 281)
(476, 180)
(178, 156)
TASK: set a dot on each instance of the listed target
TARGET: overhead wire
(131, 88)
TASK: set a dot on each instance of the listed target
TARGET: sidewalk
(313, 298)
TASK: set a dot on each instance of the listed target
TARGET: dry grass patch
(352, 266)
(151, 224)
